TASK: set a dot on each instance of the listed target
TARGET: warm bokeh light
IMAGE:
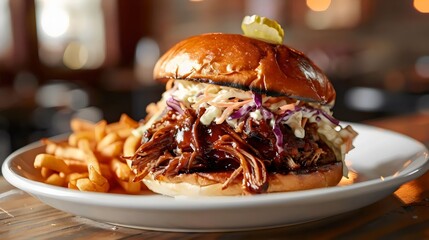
(71, 33)
(318, 5)
(75, 55)
(421, 5)
(55, 21)
(333, 14)
(6, 40)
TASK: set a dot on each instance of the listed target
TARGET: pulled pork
(179, 143)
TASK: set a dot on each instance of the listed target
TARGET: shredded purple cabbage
(267, 115)
(279, 137)
(329, 117)
(285, 116)
(257, 98)
(174, 105)
(318, 113)
(243, 111)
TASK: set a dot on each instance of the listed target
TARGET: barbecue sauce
(198, 143)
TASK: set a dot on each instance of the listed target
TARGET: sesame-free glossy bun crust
(250, 64)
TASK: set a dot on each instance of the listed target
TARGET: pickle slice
(262, 28)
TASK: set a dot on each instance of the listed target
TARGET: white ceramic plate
(383, 160)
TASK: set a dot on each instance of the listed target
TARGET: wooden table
(402, 215)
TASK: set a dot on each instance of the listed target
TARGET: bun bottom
(195, 184)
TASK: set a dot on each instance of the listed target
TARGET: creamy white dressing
(210, 115)
(257, 115)
(295, 122)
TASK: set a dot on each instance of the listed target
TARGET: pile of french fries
(90, 159)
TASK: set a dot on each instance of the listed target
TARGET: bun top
(250, 64)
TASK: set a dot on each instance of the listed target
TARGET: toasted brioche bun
(250, 64)
(195, 184)
(241, 62)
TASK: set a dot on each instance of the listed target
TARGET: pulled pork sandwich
(240, 116)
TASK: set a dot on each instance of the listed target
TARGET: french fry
(78, 125)
(124, 133)
(100, 182)
(77, 166)
(70, 152)
(103, 188)
(73, 184)
(112, 150)
(105, 171)
(75, 137)
(100, 130)
(125, 119)
(80, 167)
(114, 127)
(130, 145)
(51, 162)
(55, 179)
(84, 184)
(121, 170)
(63, 151)
(90, 158)
(50, 146)
(130, 187)
(46, 172)
(96, 177)
(107, 140)
(75, 176)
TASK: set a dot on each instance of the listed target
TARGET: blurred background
(93, 58)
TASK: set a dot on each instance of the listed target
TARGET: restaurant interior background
(93, 59)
